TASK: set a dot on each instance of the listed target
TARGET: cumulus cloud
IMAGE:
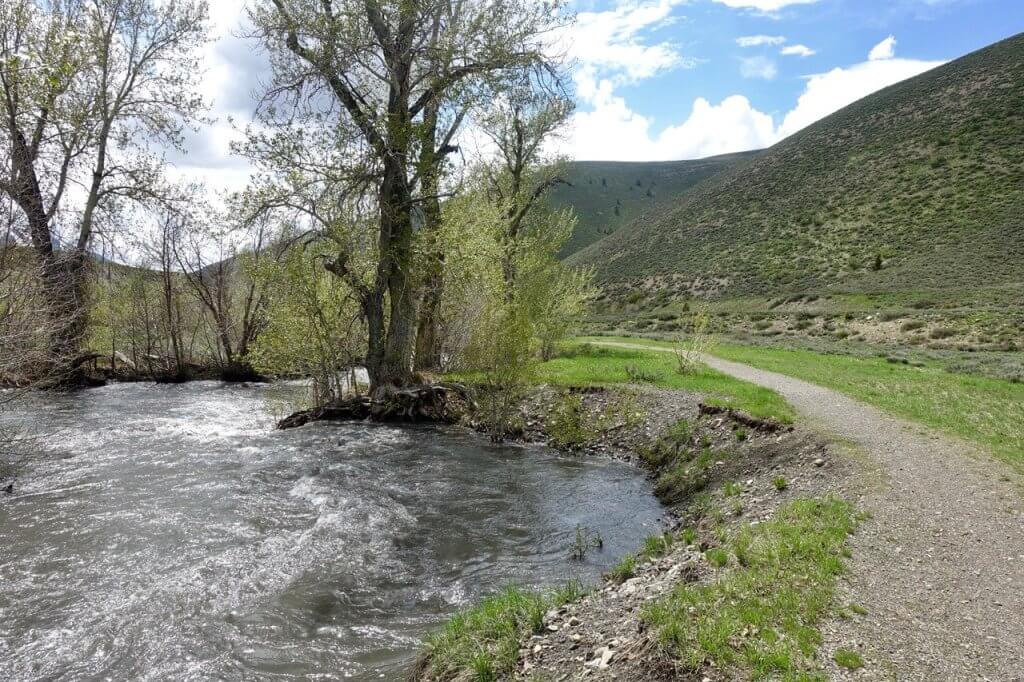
(758, 67)
(883, 50)
(610, 44)
(764, 5)
(797, 50)
(232, 70)
(829, 92)
(614, 131)
(755, 41)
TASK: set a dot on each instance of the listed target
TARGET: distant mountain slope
(610, 194)
(920, 185)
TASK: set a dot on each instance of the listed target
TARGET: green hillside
(918, 186)
(610, 194)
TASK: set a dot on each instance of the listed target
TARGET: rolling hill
(610, 194)
(917, 186)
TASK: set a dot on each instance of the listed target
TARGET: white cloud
(614, 131)
(232, 67)
(883, 50)
(755, 41)
(764, 5)
(609, 44)
(797, 50)
(829, 92)
(733, 124)
(758, 67)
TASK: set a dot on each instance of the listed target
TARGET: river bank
(729, 482)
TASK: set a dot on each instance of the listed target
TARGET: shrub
(567, 424)
(584, 541)
(690, 348)
(639, 375)
(941, 333)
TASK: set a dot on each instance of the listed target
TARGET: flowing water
(168, 532)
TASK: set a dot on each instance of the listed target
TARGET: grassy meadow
(584, 364)
(984, 410)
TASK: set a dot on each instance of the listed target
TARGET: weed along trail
(937, 572)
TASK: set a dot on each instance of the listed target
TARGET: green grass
(482, 643)
(588, 365)
(656, 546)
(848, 658)
(607, 195)
(983, 410)
(624, 570)
(773, 584)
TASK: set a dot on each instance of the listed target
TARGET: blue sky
(664, 79)
(674, 79)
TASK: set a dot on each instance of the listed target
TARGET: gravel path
(939, 566)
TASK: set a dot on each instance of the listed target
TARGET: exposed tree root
(765, 425)
(438, 403)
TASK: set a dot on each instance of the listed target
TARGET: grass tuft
(656, 546)
(624, 570)
(849, 659)
(482, 643)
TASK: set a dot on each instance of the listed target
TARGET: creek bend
(168, 532)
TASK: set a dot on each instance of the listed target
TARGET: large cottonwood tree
(379, 88)
(91, 93)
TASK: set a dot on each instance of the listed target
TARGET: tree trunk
(390, 353)
(428, 336)
(62, 275)
(65, 285)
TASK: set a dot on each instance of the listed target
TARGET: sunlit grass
(586, 364)
(482, 643)
(984, 410)
(773, 584)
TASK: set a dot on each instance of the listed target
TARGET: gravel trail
(939, 565)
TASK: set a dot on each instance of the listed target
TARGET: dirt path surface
(939, 566)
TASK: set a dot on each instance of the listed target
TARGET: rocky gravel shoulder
(937, 570)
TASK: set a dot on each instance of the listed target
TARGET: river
(168, 532)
